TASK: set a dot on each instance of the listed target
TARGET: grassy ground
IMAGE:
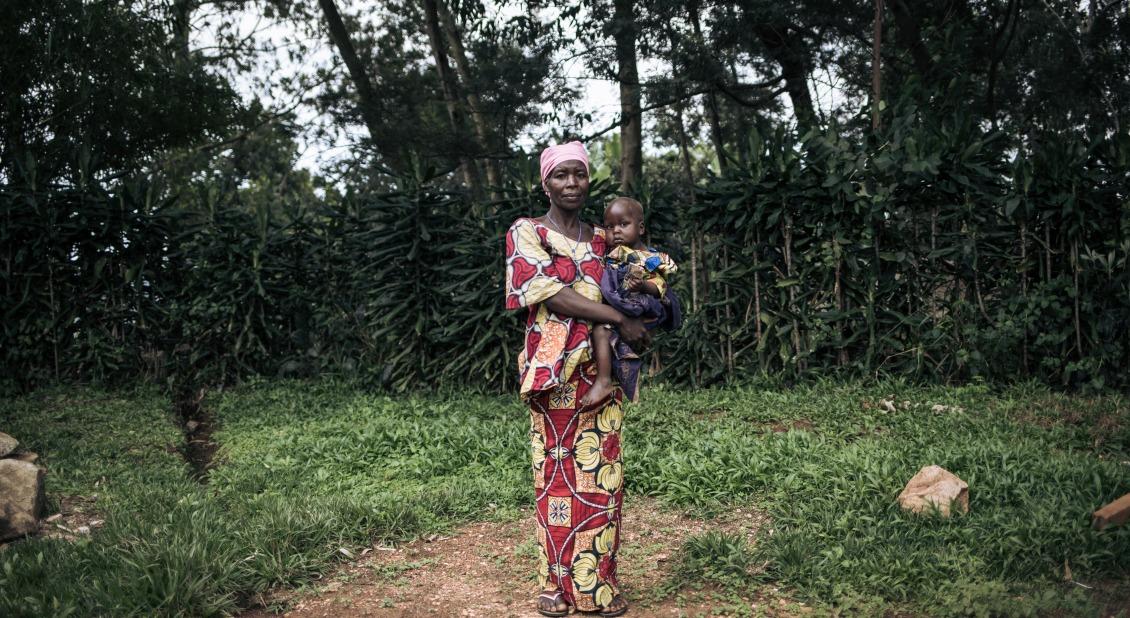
(307, 468)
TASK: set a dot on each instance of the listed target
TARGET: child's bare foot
(598, 392)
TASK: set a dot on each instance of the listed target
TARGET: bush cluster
(928, 250)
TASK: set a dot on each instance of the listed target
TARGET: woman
(553, 268)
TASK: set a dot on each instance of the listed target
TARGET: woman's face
(568, 185)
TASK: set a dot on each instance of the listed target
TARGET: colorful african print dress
(578, 475)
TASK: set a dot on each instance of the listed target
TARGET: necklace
(561, 230)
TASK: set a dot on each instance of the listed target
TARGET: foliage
(929, 252)
(97, 89)
(716, 556)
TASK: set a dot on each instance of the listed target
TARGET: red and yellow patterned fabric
(577, 470)
(539, 262)
(578, 481)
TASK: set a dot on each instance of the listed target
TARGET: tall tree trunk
(710, 101)
(1024, 288)
(757, 290)
(790, 55)
(685, 158)
(631, 129)
(450, 96)
(1075, 285)
(742, 142)
(996, 54)
(788, 251)
(182, 28)
(909, 36)
(838, 293)
(876, 64)
(478, 119)
(729, 320)
(367, 96)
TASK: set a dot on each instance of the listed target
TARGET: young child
(635, 283)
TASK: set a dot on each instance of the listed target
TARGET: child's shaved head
(633, 207)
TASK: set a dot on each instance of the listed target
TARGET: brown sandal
(556, 597)
(612, 613)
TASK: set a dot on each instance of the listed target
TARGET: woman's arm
(569, 302)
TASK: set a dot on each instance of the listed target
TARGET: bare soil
(487, 569)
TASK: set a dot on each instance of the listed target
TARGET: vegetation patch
(305, 469)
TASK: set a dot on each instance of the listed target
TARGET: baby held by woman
(635, 283)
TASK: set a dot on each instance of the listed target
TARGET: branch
(647, 108)
(758, 102)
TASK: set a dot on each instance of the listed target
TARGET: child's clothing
(652, 266)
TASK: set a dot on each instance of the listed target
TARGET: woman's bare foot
(552, 603)
(598, 392)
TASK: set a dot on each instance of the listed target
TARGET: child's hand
(633, 283)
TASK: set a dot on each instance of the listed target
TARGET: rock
(21, 498)
(934, 485)
(1113, 514)
(7, 444)
(27, 456)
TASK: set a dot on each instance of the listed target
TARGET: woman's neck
(567, 220)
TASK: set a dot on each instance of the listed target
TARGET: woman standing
(553, 268)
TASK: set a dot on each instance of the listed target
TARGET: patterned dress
(578, 475)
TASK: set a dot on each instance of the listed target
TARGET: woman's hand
(634, 333)
(568, 302)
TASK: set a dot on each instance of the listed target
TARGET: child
(634, 282)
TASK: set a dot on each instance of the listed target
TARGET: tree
(98, 91)
(623, 30)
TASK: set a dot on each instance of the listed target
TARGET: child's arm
(652, 279)
(638, 284)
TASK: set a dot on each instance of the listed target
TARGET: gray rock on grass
(8, 444)
(934, 486)
(21, 498)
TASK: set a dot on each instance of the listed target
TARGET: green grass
(306, 468)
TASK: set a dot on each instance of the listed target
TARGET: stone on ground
(8, 444)
(1113, 514)
(935, 486)
(21, 498)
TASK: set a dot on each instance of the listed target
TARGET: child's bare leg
(602, 350)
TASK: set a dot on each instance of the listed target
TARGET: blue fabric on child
(665, 313)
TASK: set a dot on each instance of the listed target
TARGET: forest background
(935, 190)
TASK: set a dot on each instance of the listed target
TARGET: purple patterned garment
(664, 313)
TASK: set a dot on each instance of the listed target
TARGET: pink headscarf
(556, 155)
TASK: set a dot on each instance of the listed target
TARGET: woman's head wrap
(556, 155)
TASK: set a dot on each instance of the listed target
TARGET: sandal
(619, 611)
(556, 598)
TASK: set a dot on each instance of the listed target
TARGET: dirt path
(487, 569)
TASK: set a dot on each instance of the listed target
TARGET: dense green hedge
(931, 250)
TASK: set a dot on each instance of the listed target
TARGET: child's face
(624, 225)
